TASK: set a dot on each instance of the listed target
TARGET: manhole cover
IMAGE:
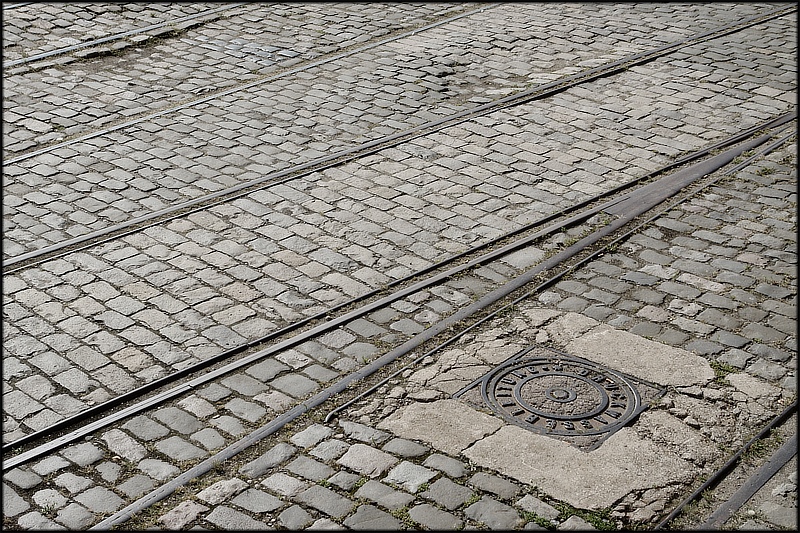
(561, 396)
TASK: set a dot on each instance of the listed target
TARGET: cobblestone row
(712, 281)
(35, 29)
(232, 52)
(251, 42)
(104, 323)
(597, 130)
(715, 275)
(678, 281)
(386, 486)
(136, 455)
(170, 296)
(355, 473)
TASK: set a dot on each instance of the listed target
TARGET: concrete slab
(446, 424)
(657, 454)
(642, 358)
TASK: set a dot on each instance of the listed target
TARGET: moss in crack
(721, 371)
(601, 519)
(402, 515)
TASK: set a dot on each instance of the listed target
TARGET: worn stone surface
(700, 300)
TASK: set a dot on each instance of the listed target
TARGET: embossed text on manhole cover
(562, 396)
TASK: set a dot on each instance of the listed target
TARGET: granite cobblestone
(443, 161)
(160, 310)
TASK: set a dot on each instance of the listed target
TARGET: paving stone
(494, 514)
(228, 424)
(284, 484)
(222, 490)
(197, 406)
(49, 465)
(311, 436)
(179, 449)
(295, 385)
(136, 485)
(320, 374)
(309, 468)
(384, 495)
(367, 460)
(326, 501)
(295, 517)
(100, 500)
(409, 476)
(447, 494)
(182, 515)
(243, 384)
(499, 486)
(404, 448)
(329, 449)
(75, 517)
(73, 483)
(273, 457)
(49, 498)
(250, 411)
(257, 501)
(364, 433)
(209, 438)
(434, 519)
(226, 518)
(452, 467)
(35, 521)
(13, 503)
(157, 469)
(145, 428)
(533, 504)
(22, 478)
(370, 518)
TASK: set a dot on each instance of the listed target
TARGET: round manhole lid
(561, 396)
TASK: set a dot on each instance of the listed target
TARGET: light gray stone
(367, 460)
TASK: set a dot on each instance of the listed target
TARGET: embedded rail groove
(130, 403)
(696, 177)
(114, 37)
(367, 148)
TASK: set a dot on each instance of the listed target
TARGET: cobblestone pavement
(102, 322)
(251, 132)
(713, 276)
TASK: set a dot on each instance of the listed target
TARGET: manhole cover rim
(571, 426)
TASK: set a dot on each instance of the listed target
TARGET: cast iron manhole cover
(561, 396)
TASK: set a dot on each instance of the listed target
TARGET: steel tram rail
(114, 37)
(669, 189)
(367, 148)
(585, 210)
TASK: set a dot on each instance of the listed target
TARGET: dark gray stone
(370, 518)
(383, 495)
(310, 469)
(447, 494)
(257, 501)
(405, 448)
(494, 514)
(325, 500)
(275, 456)
(434, 519)
(499, 486)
